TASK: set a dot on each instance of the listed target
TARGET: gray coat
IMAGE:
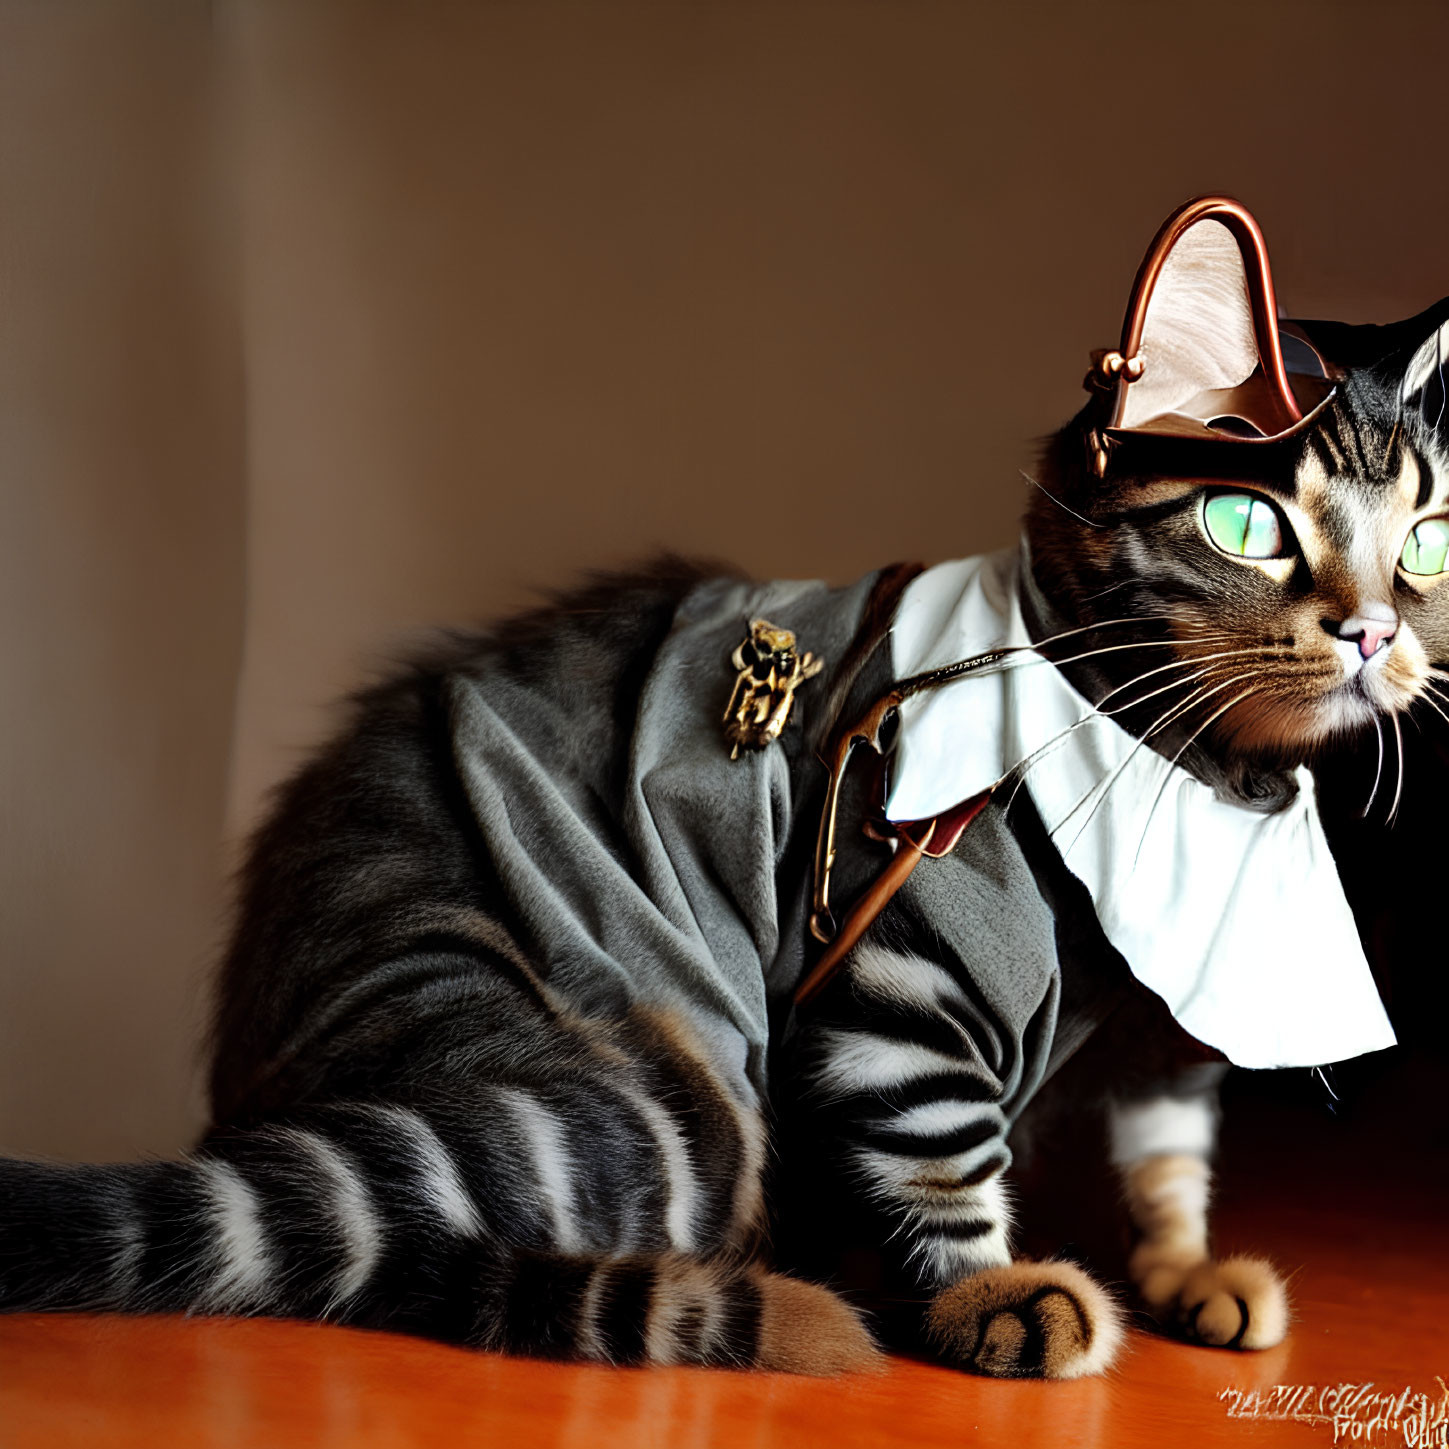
(689, 887)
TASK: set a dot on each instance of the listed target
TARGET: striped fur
(374, 1214)
(925, 1137)
(417, 1129)
(198, 1237)
(905, 1076)
(414, 1131)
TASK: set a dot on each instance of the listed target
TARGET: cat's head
(1252, 514)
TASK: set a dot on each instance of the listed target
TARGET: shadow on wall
(449, 301)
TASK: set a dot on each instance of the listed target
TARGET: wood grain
(1353, 1209)
(1371, 1307)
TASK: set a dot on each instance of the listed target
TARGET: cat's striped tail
(282, 1222)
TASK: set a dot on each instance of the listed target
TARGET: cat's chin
(1366, 702)
(1283, 734)
(1347, 713)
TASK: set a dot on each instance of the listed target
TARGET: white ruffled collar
(1235, 918)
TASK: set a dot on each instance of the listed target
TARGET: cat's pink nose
(1376, 637)
(1371, 631)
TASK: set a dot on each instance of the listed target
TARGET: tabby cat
(506, 1051)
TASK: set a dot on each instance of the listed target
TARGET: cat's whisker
(1097, 712)
(1378, 766)
(1015, 656)
(1163, 642)
(1215, 662)
(1021, 768)
(1399, 778)
(1024, 766)
(1101, 790)
(1434, 690)
(1110, 589)
(1176, 664)
(1432, 700)
(1154, 616)
(1161, 689)
(1114, 649)
(1436, 696)
(1065, 509)
(1186, 744)
(993, 661)
(1088, 628)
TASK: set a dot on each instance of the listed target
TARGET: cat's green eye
(1426, 550)
(1243, 525)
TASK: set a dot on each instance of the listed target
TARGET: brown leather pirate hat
(1207, 370)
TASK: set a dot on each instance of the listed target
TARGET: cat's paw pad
(1236, 1303)
(1028, 1320)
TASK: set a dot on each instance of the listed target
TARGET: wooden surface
(1357, 1213)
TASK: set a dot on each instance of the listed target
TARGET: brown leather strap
(951, 824)
(935, 837)
(866, 909)
(866, 731)
(875, 625)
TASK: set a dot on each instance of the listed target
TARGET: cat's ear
(1204, 357)
(1424, 393)
(1197, 334)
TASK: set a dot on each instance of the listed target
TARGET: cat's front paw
(1236, 1303)
(1028, 1320)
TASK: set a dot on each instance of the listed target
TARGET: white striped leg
(1161, 1146)
(927, 1135)
(899, 1054)
(955, 1218)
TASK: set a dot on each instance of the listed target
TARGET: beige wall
(121, 504)
(529, 288)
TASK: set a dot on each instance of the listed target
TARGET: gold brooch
(770, 671)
